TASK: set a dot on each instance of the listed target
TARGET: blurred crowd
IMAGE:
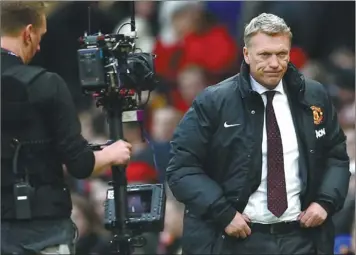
(197, 44)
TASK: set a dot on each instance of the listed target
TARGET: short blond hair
(15, 15)
(266, 23)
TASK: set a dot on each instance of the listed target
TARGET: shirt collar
(260, 89)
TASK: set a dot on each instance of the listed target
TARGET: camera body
(102, 59)
(108, 63)
(146, 207)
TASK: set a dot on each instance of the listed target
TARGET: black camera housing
(110, 62)
(146, 208)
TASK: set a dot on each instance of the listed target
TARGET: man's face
(32, 37)
(185, 22)
(268, 58)
(163, 124)
(190, 84)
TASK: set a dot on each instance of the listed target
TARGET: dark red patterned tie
(276, 184)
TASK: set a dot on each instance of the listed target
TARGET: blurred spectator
(351, 147)
(227, 12)
(139, 170)
(190, 81)
(353, 238)
(169, 241)
(86, 119)
(347, 115)
(97, 190)
(341, 63)
(298, 57)
(344, 220)
(315, 70)
(156, 155)
(143, 11)
(165, 121)
(114, 10)
(343, 57)
(133, 134)
(194, 38)
(92, 238)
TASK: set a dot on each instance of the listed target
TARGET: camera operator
(40, 133)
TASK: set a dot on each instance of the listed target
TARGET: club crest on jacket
(317, 114)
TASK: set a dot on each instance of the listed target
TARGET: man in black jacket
(40, 132)
(259, 160)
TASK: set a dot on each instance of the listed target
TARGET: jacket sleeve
(335, 183)
(186, 178)
(63, 121)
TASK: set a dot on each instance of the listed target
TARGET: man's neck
(12, 44)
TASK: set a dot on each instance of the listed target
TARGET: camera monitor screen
(139, 202)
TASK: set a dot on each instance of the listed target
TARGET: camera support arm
(98, 146)
(120, 243)
(110, 67)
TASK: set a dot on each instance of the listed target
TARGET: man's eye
(265, 54)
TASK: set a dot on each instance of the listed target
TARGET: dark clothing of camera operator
(260, 160)
(41, 132)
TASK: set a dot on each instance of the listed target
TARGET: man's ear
(26, 33)
(246, 57)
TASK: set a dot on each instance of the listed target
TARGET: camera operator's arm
(71, 147)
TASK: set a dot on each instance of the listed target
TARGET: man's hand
(314, 216)
(119, 152)
(238, 226)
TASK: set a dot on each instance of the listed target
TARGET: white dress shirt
(256, 208)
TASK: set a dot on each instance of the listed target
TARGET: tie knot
(270, 95)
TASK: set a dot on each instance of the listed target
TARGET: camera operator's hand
(119, 152)
(238, 226)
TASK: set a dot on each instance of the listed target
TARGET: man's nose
(274, 63)
(38, 48)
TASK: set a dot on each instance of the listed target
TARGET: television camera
(111, 68)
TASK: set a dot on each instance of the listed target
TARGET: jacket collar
(293, 81)
(10, 57)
